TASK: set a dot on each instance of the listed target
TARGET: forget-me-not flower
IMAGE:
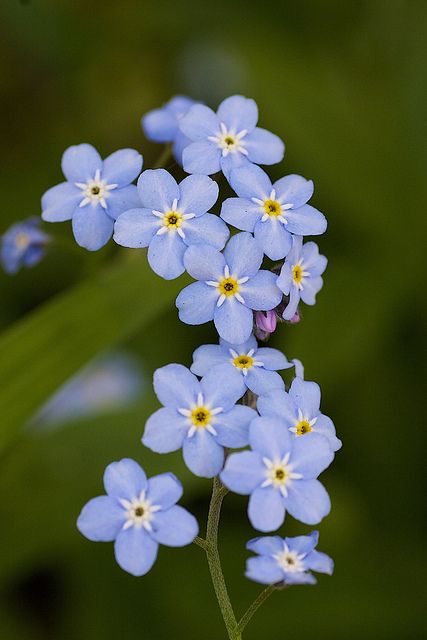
(300, 277)
(95, 194)
(172, 217)
(280, 474)
(23, 245)
(162, 125)
(227, 138)
(300, 410)
(287, 560)
(272, 212)
(201, 417)
(138, 514)
(255, 368)
(230, 286)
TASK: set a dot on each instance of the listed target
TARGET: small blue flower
(95, 194)
(300, 276)
(287, 560)
(254, 367)
(23, 245)
(228, 138)
(272, 212)
(230, 286)
(138, 514)
(280, 474)
(162, 125)
(201, 417)
(172, 217)
(300, 410)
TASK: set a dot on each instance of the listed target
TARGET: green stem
(253, 608)
(164, 157)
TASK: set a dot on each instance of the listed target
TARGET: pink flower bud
(295, 318)
(266, 320)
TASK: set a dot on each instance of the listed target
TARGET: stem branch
(253, 608)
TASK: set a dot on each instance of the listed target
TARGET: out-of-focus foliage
(344, 84)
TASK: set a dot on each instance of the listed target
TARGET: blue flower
(286, 560)
(228, 138)
(272, 212)
(138, 514)
(162, 125)
(95, 194)
(230, 286)
(255, 368)
(171, 218)
(300, 410)
(300, 276)
(201, 417)
(23, 245)
(280, 474)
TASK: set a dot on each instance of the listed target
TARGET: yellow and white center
(139, 512)
(228, 287)
(230, 140)
(303, 424)
(298, 274)
(279, 474)
(172, 220)
(200, 416)
(22, 240)
(95, 191)
(244, 361)
(273, 208)
(290, 561)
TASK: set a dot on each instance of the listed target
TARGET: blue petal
(201, 157)
(302, 577)
(306, 221)
(135, 551)
(122, 200)
(33, 256)
(270, 437)
(292, 305)
(166, 255)
(266, 545)
(243, 256)
(179, 104)
(285, 280)
(165, 431)
(264, 147)
(208, 356)
(202, 455)
(175, 527)
(311, 455)
(251, 181)
(80, 163)
(243, 472)
(124, 479)
(313, 261)
(196, 303)
(122, 167)
(233, 161)
(273, 238)
(261, 292)
(198, 194)
(320, 562)
(233, 321)
(303, 544)
(60, 202)
(311, 288)
(306, 396)
(325, 427)
(101, 519)
(175, 386)
(273, 359)
(199, 123)
(204, 262)
(238, 113)
(278, 403)
(160, 125)
(92, 227)
(164, 490)
(220, 389)
(241, 213)
(307, 501)
(207, 229)
(243, 347)
(232, 427)
(263, 570)
(157, 189)
(260, 380)
(266, 510)
(181, 142)
(135, 228)
(294, 190)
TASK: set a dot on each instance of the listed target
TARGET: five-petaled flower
(201, 417)
(228, 138)
(95, 194)
(230, 286)
(172, 217)
(280, 474)
(23, 245)
(138, 514)
(286, 560)
(273, 212)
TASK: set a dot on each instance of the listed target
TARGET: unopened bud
(266, 321)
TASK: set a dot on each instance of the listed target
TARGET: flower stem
(253, 608)
(164, 157)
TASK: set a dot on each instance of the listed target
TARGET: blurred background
(344, 84)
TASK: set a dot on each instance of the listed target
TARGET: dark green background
(344, 84)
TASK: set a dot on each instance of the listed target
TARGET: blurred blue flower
(162, 125)
(171, 218)
(286, 560)
(95, 194)
(300, 410)
(300, 276)
(23, 245)
(254, 367)
(228, 138)
(272, 212)
(230, 286)
(138, 514)
(201, 417)
(280, 474)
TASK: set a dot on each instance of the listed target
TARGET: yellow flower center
(303, 426)
(228, 286)
(229, 141)
(297, 273)
(139, 512)
(243, 362)
(173, 220)
(22, 240)
(279, 474)
(200, 417)
(272, 208)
